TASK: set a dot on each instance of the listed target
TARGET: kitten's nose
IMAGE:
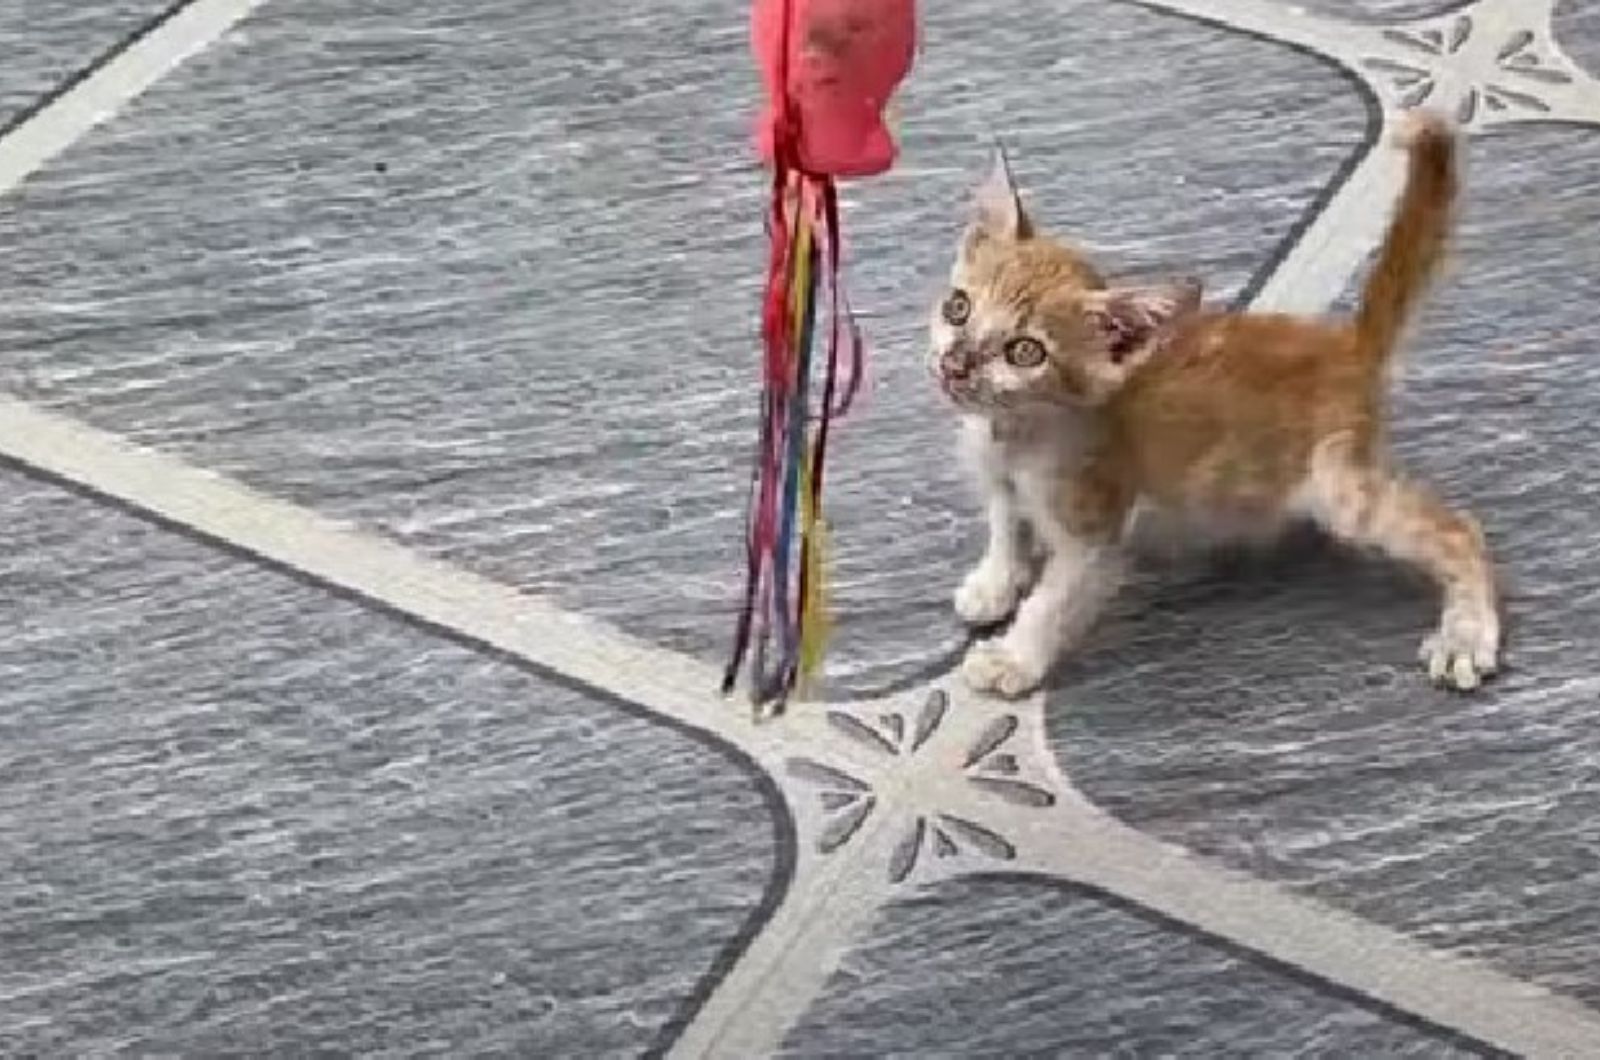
(957, 361)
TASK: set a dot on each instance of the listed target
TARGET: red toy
(835, 63)
(829, 68)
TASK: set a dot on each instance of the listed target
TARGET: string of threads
(783, 625)
(785, 599)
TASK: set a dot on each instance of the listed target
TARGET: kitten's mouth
(959, 388)
(961, 393)
(952, 386)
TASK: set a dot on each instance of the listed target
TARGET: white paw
(1465, 649)
(992, 666)
(988, 594)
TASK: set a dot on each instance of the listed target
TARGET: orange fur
(1140, 396)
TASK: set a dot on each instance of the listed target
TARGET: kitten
(1080, 402)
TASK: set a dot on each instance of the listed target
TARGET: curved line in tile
(1313, 210)
(1569, 16)
(1395, 17)
(784, 847)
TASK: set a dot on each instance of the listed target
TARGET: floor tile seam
(1270, 20)
(1076, 841)
(1335, 949)
(61, 88)
(384, 576)
(1337, 43)
(1316, 271)
(831, 900)
(106, 87)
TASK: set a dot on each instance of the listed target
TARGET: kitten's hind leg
(1370, 507)
(990, 591)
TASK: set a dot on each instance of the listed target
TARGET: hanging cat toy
(828, 68)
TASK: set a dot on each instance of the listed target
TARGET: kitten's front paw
(1464, 650)
(992, 666)
(988, 594)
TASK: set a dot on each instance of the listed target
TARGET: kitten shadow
(1215, 635)
(1207, 633)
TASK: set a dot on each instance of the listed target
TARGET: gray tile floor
(479, 278)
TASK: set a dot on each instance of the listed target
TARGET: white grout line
(920, 773)
(1272, 19)
(1375, 962)
(530, 628)
(1323, 260)
(1576, 101)
(771, 987)
(1078, 841)
(61, 123)
(1332, 250)
(787, 966)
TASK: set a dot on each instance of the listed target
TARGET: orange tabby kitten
(1080, 403)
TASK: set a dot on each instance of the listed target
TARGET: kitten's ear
(1131, 319)
(997, 207)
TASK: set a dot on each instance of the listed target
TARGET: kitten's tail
(1415, 243)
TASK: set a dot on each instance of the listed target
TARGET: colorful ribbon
(783, 623)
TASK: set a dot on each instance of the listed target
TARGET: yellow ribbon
(814, 625)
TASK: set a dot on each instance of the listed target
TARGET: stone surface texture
(237, 813)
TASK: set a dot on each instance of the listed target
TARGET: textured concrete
(238, 814)
(1015, 967)
(484, 275)
(1272, 714)
(43, 43)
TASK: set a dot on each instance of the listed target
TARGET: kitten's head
(1028, 322)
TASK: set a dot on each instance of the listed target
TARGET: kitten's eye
(957, 308)
(1025, 353)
